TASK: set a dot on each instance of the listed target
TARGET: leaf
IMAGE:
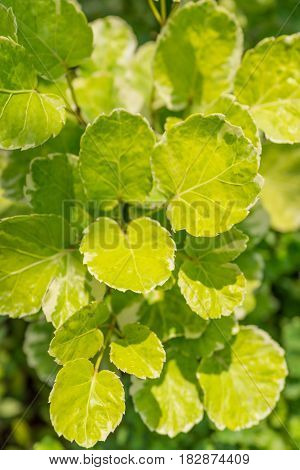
(48, 443)
(138, 260)
(268, 81)
(114, 45)
(290, 337)
(46, 28)
(212, 286)
(208, 171)
(140, 352)
(217, 335)
(171, 404)
(37, 339)
(67, 292)
(115, 159)
(256, 225)
(79, 337)
(97, 94)
(171, 317)
(49, 185)
(32, 252)
(242, 383)
(238, 115)
(8, 23)
(86, 406)
(280, 194)
(252, 265)
(27, 118)
(197, 55)
(13, 177)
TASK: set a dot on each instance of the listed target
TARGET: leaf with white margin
(280, 195)
(67, 292)
(242, 382)
(46, 29)
(238, 115)
(171, 317)
(115, 159)
(86, 406)
(79, 337)
(139, 259)
(210, 284)
(268, 81)
(8, 23)
(138, 352)
(36, 343)
(197, 55)
(171, 404)
(114, 45)
(33, 248)
(27, 118)
(208, 171)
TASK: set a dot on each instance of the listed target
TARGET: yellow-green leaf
(242, 382)
(86, 406)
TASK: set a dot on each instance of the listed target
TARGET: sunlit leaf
(85, 406)
(242, 382)
(268, 81)
(8, 24)
(139, 259)
(208, 171)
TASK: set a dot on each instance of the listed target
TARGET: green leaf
(208, 171)
(290, 337)
(210, 284)
(138, 260)
(114, 45)
(140, 352)
(115, 159)
(97, 94)
(217, 335)
(171, 317)
(238, 115)
(8, 23)
(85, 406)
(171, 404)
(67, 292)
(49, 185)
(268, 81)
(13, 177)
(79, 337)
(37, 339)
(33, 255)
(280, 194)
(197, 55)
(242, 383)
(46, 28)
(48, 443)
(27, 118)
(252, 265)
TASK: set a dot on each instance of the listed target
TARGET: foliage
(142, 254)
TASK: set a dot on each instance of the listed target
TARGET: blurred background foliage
(272, 301)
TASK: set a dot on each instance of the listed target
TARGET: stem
(155, 12)
(107, 340)
(163, 10)
(77, 111)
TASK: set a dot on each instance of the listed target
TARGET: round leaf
(280, 194)
(208, 171)
(85, 406)
(115, 159)
(197, 55)
(139, 259)
(242, 383)
(269, 81)
(27, 118)
(171, 404)
(139, 353)
(46, 28)
(79, 337)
